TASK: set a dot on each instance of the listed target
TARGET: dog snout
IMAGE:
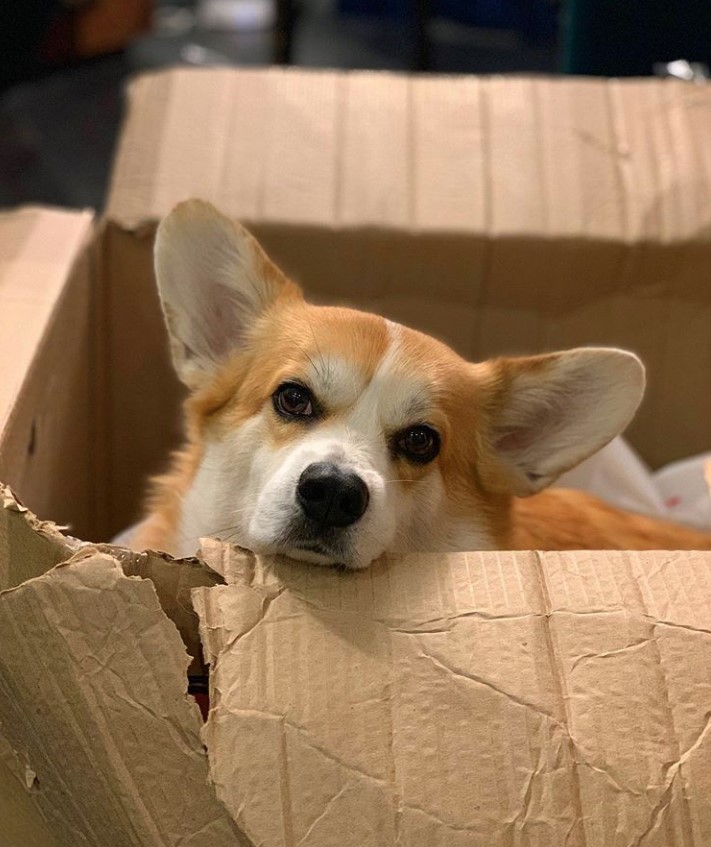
(331, 496)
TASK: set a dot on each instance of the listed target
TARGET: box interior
(112, 416)
(140, 421)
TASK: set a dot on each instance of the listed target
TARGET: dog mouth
(318, 554)
(314, 547)
(324, 548)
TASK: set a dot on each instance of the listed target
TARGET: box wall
(93, 695)
(141, 420)
(48, 437)
(472, 699)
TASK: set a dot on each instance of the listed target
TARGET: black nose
(330, 495)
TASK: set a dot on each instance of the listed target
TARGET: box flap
(614, 160)
(38, 248)
(46, 355)
(472, 699)
(28, 547)
(173, 581)
(117, 756)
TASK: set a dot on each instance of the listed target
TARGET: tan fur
(559, 519)
(287, 339)
(294, 333)
(164, 501)
(465, 400)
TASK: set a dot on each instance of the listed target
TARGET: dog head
(334, 436)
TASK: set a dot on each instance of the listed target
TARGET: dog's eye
(293, 401)
(419, 444)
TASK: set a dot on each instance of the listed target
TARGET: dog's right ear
(550, 412)
(214, 282)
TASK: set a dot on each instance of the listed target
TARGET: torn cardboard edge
(29, 548)
(93, 690)
(433, 699)
(477, 698)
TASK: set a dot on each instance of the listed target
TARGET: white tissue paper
(679, 492)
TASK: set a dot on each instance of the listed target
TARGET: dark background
(60, 109)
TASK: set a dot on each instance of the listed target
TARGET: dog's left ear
(550, 412)
(214, 282)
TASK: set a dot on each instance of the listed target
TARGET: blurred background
(64, 63)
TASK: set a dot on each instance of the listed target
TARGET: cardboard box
(475, 699)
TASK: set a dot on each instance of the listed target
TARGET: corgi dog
(335, 436)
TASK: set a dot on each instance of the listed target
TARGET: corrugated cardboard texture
(117, 758)
(93, 697)
(46, 360)
(504, 215)
(173, 581)
(99, 743)
(28, 547)
(475, 699)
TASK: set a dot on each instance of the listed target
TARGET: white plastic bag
(680, 491)
(685, 488)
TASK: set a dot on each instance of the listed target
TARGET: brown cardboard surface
(93, 699)
(117, 757)
(173, 582)
(474, 699)
(435, 148)
(46, 360)
(502, 214)
(141, 394)
(28, 548)
(21, 821)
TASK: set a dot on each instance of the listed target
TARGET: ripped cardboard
(93, 696)
(467, 699)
